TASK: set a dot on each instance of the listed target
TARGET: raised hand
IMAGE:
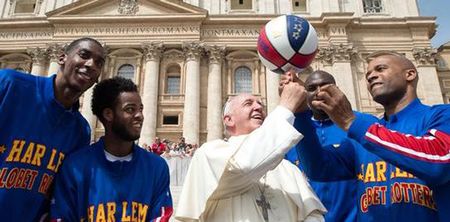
(333, 101)
(293, 96)
(291, 77)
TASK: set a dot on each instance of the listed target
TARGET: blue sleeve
(321, 162)
(292, 156)
(162, 205)
(5, 83)
(64, 205)
(426, 156)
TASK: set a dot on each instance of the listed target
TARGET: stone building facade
(188, 56)
(443, 68)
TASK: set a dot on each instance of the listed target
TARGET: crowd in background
(167, 148)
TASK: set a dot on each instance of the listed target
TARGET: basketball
(287, 42)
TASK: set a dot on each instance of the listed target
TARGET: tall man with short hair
(39, 125)
(245, 178)
(402, 160)
(114, 179)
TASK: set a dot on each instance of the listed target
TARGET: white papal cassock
(226, 178)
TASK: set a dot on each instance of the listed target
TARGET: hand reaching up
(291, 77)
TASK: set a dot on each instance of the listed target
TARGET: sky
(440, 9)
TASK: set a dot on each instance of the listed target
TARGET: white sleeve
(315, 217)
(261, 151)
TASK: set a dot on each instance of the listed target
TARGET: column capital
(152, 50)
(216, 53)
(343, 53)
(54, 50)
(424, 56)
(38, 55)
(325, 55)
(336, 53)
(193, 50)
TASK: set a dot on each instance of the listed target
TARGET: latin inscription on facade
(25, 35)
(230, 32)
(129, 30)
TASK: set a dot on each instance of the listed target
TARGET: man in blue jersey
(114, 179)
(40, 124)
(402, 160)
(339, 197)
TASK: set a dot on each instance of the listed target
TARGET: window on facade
(242, 80)
(241, 4)
(173, 79)
(372, 6)
(299, 5)
(173, 85)
(170, 120)
(441, 64)
(25, 6)
(126, 71)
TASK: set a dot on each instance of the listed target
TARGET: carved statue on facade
(128, 7)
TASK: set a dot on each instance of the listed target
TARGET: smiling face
(81, 66)
(128, 117)
(246, 113)
(387, 79)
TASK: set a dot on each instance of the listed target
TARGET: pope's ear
(228, 121)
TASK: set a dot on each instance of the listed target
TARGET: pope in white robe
(246, 178)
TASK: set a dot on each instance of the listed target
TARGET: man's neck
(320, 117)
(397, 106)
(116, 146)
(64, 94)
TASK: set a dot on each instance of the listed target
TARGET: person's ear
(108, 114)
(62, 58)
(410, 75)
(228, 121)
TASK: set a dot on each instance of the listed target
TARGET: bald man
(338, 197)
(245, 178)
(406, 171)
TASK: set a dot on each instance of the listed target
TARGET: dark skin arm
(333, 101)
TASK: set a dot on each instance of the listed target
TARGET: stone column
(342, 71)
(54, 51)
(152, 53)
(428, 77)
(191, 114)
(86, 111)
(272, 80)
(214, 124)
(39, 58)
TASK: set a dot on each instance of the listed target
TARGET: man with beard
(114, 179)
(245, 178)
(339, 197)
(402, 160)
(39, 125)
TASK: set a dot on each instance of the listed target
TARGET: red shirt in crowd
(158, 148)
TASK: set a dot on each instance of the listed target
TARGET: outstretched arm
(426, 156)
(264, 148)
(322, 162)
